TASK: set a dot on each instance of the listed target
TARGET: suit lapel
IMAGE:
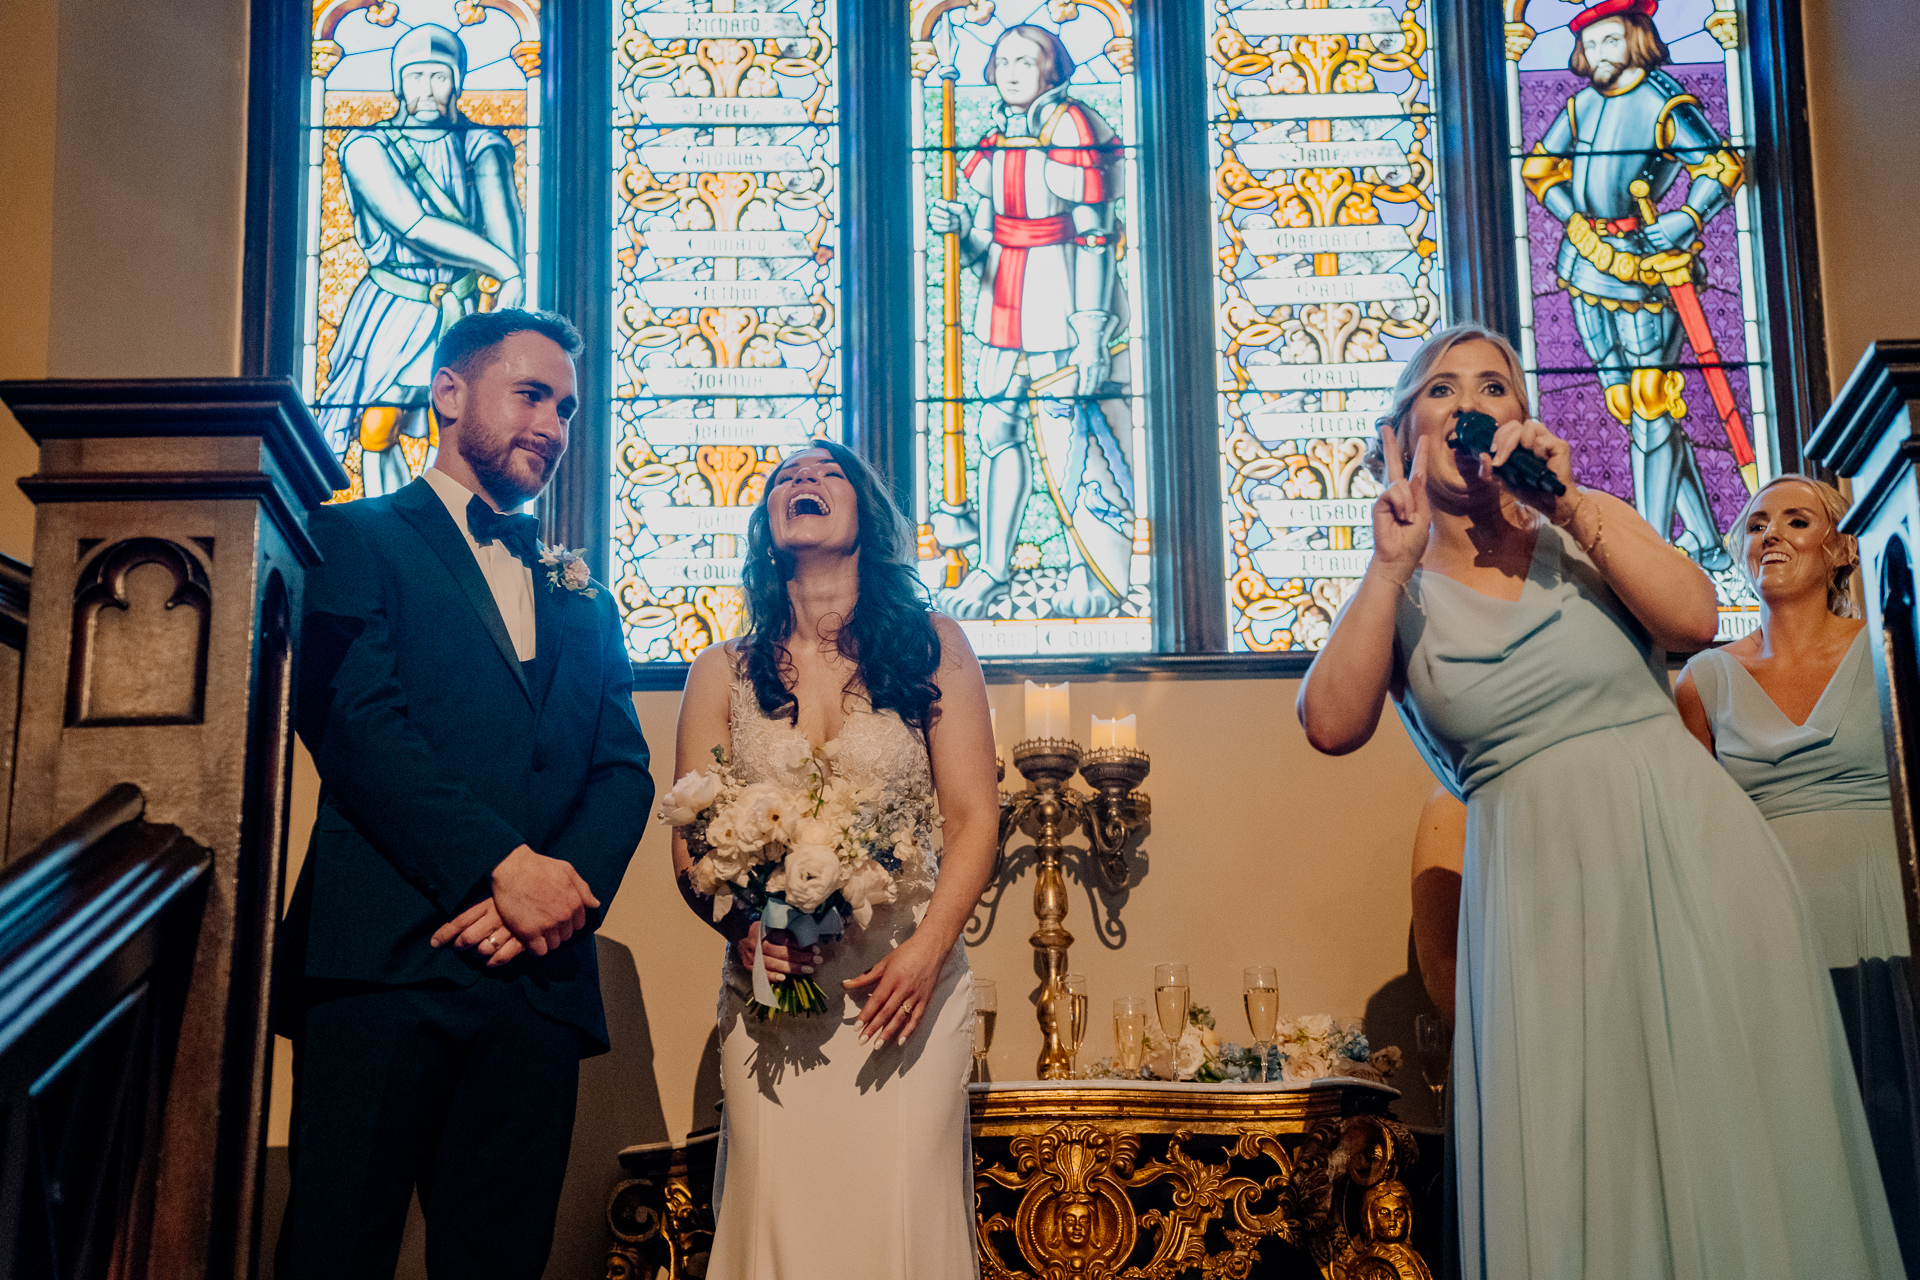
(422, 509)
(552, 612)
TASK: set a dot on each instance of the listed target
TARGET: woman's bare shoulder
(954, 645)
(716, 664)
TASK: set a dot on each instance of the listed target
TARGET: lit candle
(1113, 733)
(1046, 710)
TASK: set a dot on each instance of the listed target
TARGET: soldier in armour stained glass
(1607, 160)
(1043, 236)
(437, 215)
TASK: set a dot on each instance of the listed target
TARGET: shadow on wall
(619, 1106)
(1389, 1021)
(706, 1086)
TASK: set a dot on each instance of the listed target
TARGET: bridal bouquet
(808, 858)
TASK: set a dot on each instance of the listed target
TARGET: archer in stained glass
(1041, 233)
(436, 212)
(1631, 272)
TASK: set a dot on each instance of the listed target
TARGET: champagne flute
(1430, 1038)
(1129, 1034)
(1262, 995)
(1171, 997)
(1076, 988)
(986, 1003)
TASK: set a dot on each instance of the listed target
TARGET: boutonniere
(567, 570)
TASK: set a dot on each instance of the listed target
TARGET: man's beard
(1607, 74)
(489, 453)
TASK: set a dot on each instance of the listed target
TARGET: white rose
(1318, 1025)
(813, 873)
(868, 886)
(1302, 1067)
(575, 575)
(723, 832)
(694, 792)
(750, 810)
(706, 876)
(729, 864)
(815, 831)
(779, 812)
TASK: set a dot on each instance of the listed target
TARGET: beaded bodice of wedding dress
(873, 748)
(885, 1120)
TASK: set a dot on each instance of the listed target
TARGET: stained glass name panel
(726, 302)
(1031, 467)
(423, 180)
(1642, 329)
(1327, 277)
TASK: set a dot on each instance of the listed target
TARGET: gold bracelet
(1599, 536)
(1599, 526)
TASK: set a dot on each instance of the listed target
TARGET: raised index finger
(1419, 476)
(1390, 448)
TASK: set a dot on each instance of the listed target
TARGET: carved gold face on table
(1076, 1223)
(1389, 1217)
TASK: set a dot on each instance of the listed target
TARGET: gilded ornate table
(1112, 1180)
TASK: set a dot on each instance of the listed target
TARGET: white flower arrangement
(808, 859)
(567, 571)
(1313, 1047)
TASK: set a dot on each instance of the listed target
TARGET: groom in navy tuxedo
(467, 700)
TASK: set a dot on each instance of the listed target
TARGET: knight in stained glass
(1632, 273)
(436, 213)
(1039, 228)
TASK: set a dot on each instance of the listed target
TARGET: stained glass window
(1328, 254)
(423, 172)
(1031, 491)
(1641, 320)
(726, 336)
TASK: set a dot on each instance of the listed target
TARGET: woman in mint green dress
(1650, 1075)
(1793, 713)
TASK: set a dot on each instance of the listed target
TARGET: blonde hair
(1414, 378)
(1842, 549)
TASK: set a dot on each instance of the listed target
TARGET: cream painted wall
(149, 188)
(1863, 114)
(29, 33)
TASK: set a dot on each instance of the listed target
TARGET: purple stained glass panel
(1571, 399)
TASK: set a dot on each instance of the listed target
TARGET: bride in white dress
(844, 1147)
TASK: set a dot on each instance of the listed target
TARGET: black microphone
(1473, 433)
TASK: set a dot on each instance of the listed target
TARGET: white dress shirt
(510, 580)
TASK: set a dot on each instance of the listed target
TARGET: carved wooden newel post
(169, 550)
(1871, 435)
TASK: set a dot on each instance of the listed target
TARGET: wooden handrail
(98, 928)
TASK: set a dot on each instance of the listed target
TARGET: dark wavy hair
(889, 636)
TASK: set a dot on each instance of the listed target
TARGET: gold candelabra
(1050, 809)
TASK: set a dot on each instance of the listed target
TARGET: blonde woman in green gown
(1793, 713)
(1650, 1076)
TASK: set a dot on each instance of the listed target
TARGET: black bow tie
(518, 534)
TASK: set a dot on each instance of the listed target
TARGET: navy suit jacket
(438, 756)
